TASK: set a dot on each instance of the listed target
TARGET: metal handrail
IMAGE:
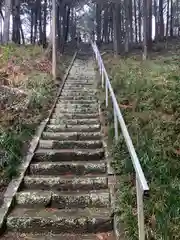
(141, 182)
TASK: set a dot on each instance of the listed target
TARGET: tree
(8, 6)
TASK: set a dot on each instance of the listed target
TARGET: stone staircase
(65, 191)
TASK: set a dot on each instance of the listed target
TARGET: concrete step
(86, 97)
(62, 110)
(72, 89)
(66, 183)
(75, 115)
(54, 144)
(78, 88)
(69, 154)
(68, 168)
(78, 102)
(77, 94)
(84, 121)
(59, 221)
(61, 200)
(76, 136)
(78, 105)
(73, 128)
(50, 236)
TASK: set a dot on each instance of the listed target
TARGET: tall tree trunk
(67, 23)
(167, 25)
(7, 21)
(161, 17)
(139, 19)
(35, 21)
(22, 33)
(171, 19)
(44, 23)
(130, 21)
(98, 22)
(106, 23)
(126, 26)
(145, 29)
(116, 27)
(135, 19)
(40, 22)
(149, 40)
(32, 24)
(156, 19)
(16, 22)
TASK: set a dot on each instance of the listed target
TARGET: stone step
(84, 121)
(76, 115)
(53, 144)
(73, 128)
(76, 136)
(86, 97)
(78, 88)
(50, 236)
(68, 168)
(61, 200)
(80, 93)
(59, 221)
(66, 183)
(78, 102)
(68, 154)
(77, 105)
(63, 110)
(81, 81)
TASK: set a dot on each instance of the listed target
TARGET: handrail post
(106, 93)
(115, 125)
(102, 79)
(140, 210)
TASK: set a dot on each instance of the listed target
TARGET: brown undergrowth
(27, 92)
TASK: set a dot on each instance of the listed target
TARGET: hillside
(149, 97)
(27, 92)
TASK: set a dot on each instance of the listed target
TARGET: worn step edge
(75, 115)
(60, 221)
(67, 168)
(69, 154)
(50, 236)
(61, 200)
(77, 136)
(54, 144)
(66, 183)
(75, 121)
(73, 128)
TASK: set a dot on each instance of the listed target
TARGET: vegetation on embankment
(148, 94)
(26, 94)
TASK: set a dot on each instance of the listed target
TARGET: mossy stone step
(78, 101)
(66, 183)
(85, 121)
(61, 200)
(59, 221)
(69, 154)
(54, 144)
(76, 136)
(75, 115)
(66, 168)
(51, 236)
(62, 110)
(73, 128)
